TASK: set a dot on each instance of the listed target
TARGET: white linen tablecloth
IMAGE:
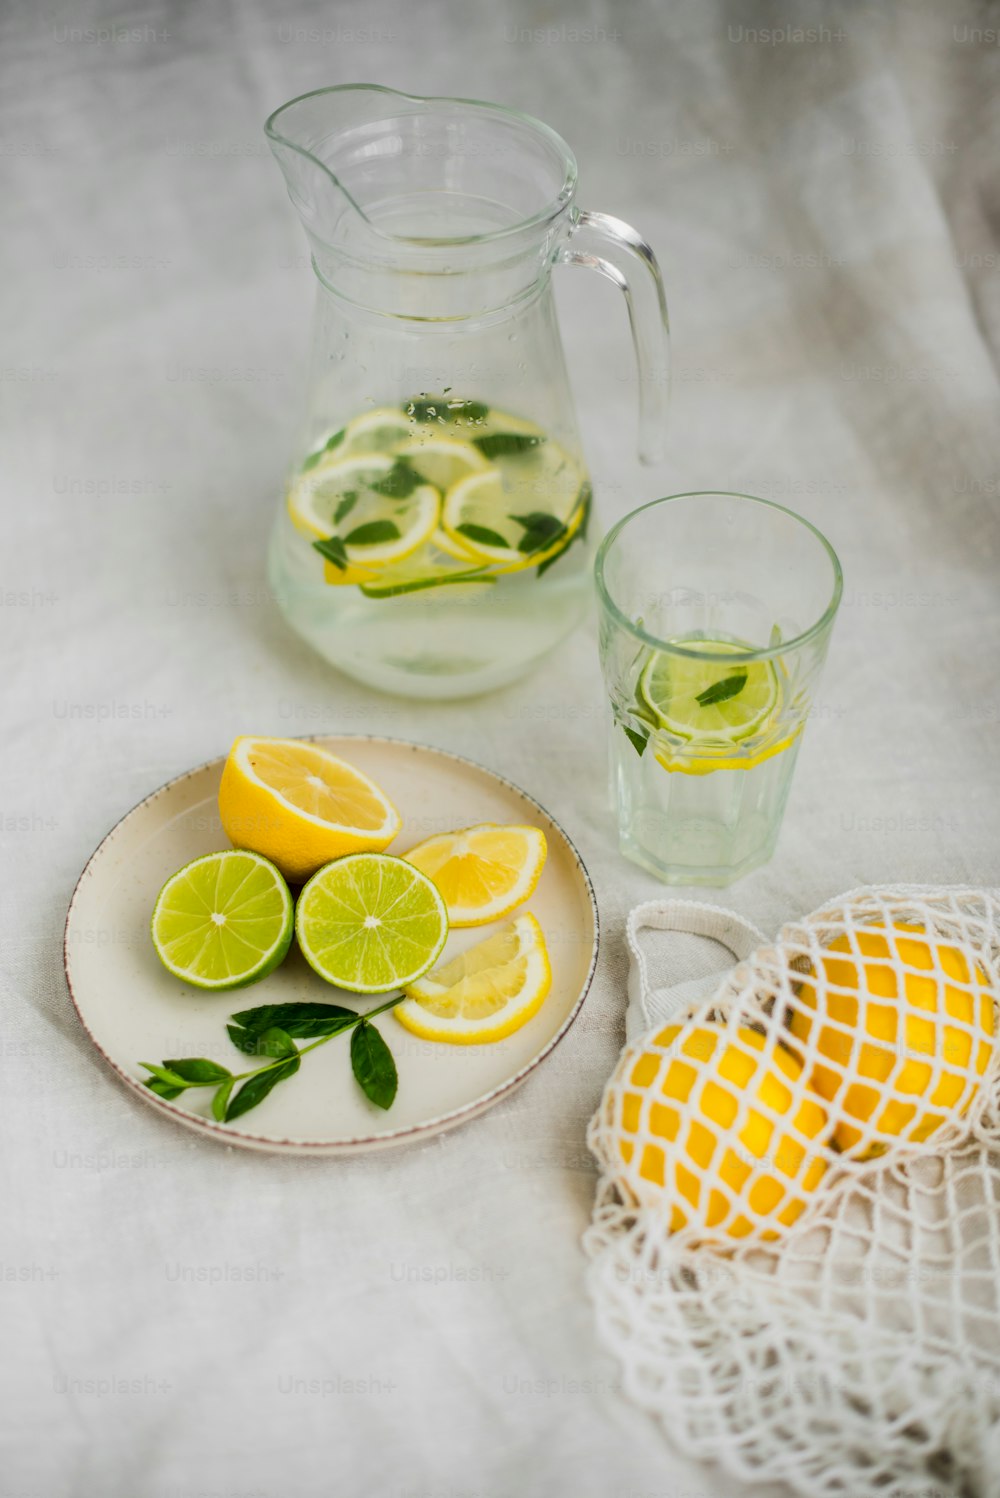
(820, 183)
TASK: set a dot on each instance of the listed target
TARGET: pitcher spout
(387, 183)
(310, 138)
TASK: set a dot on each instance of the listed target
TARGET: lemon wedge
(483, 872)
(485, 993)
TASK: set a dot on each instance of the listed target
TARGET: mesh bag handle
(689, 918)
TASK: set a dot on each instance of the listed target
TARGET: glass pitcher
(435, 536)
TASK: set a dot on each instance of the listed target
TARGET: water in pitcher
(435, 547)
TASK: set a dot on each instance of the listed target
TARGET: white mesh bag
(796, 1240)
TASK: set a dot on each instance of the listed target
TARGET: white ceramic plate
(133, 1010)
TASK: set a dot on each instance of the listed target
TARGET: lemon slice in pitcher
(369, 512)
(376, 431)
(520, 511)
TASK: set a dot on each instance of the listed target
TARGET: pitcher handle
(614, 248)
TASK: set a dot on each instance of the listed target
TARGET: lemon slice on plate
(370, 922)
(300, 806)
(483, 872)
(485, 993)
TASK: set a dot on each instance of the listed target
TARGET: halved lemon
(301, 806)
(485, 993)
(483, 872)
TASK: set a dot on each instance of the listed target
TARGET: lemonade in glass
(716, 612)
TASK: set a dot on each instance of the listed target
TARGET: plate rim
(356, 1143)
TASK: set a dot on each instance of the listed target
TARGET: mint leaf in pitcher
(372, 533)
(482, 535)
(506, 444)
(399, 482)
(332, 548)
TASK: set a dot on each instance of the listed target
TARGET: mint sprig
(272, 1030)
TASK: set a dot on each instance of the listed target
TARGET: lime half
(370, 922)
(224, 920)
(701, 700)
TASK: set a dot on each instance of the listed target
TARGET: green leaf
(540, 531)
(198, 1071)
(346, 505)
(443, 410)
(256, 1088)
(398, 483)
(588, 505)
(482, 535)
(221, 1099)
(165, 1075)
(303, 1021)
(332, 548)
(540, 520)
(506, 444)
(328, 447)
(243, 1040)
(161, 1088)
(636, 739)
(373, 1066)
(721, 691)
(372, 533)
(276, 1042)
(418, 584)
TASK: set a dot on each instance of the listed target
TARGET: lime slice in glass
(370, 922)
(700, 700)
(224, 920)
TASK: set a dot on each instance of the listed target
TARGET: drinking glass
(715, 616)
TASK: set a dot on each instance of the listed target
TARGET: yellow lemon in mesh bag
(721, 1124)
(906, 1025)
